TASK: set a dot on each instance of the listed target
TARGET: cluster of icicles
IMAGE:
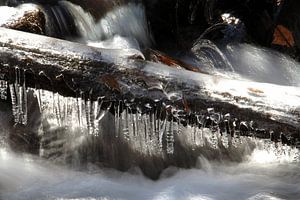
(148, 132)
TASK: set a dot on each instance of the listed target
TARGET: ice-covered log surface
(72, 69)
(113, 108)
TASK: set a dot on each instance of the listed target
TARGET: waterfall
(125, 24)
(127, 21)
(59, 22)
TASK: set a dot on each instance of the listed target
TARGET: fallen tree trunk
(71, 68)
(124, 77)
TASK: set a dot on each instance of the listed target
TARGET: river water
(263, 175)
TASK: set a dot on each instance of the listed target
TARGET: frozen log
(72, 69)
(76, 70)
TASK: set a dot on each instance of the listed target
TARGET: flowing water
(128, 21)
(260, 168)
(263, 175)
(227, 167)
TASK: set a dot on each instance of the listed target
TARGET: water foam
(26, 177)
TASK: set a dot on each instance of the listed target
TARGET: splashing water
(127, 21)
(263, 65)
(210, 55)
(245, 62)
(117, 42)
(28, 177)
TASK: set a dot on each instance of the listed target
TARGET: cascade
(128, 21)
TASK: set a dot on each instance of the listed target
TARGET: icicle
(39, 98)
(19, 99)
(82, 110)
(161, 132)
(118, 118)
(116, 109)
(126, 125)
(146, 125)
(137, 119)
(214, 140)
(3, 89)
(57, 108)
(151, 126)
(120, 127)
(92, 106)
(63, 102)
(78, 105)
(170, 138)
(71, 111)
(20, 102)
(226, 138)
(133, 120)
(14, 102)
(201, 138)
(200, 123)
(157, 124)
(130, 123)
(97, 107)
(87, 109)
(195, 134)
(23, 103)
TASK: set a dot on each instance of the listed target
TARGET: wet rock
(27, 17)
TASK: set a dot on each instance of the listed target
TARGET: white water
(128, 21)
(261, 176)
(263, 65)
